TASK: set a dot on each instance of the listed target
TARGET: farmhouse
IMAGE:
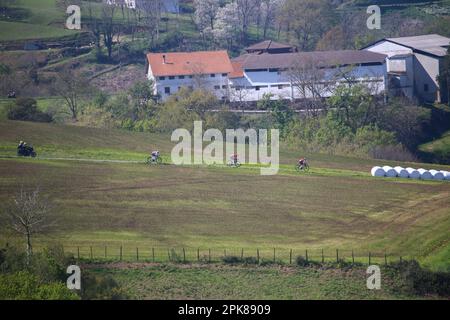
(170, 72)
(407, 66)
(413, 65)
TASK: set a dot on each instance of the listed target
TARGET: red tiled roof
(189, 63)
(238, 72)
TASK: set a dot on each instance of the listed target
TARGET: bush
(97, 287)
(24, 285)
(25, 109)
(415, 280)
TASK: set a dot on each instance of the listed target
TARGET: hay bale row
(411, 173)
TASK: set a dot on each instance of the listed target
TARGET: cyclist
(155, 155)
(234, 158)
(302, 163)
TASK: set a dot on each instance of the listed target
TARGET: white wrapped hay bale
(425, 174)
(446, 174)
(413, 173)
(377, 172)
(401, 172)
(437, 175)
(389, 172)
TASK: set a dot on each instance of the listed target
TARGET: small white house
(414, 64)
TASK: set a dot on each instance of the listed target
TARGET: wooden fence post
(337, 255)
(91, 253)
(369, 257)
(353, 257)
(198, 254)
(257, 255)
(106, 255)
(323, 257)
(290, 256)
(120, 253)
(242, 253)
(306, 255)
(385, 258)
(168, 255)
(153, 255)
(184, 256)
(78, 251)
(137, 254)
(274, 256)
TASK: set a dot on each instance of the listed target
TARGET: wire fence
(214, 255)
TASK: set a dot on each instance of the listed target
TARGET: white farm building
(406, 66)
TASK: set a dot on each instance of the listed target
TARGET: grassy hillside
(438, 149)
(336, 205)
(34, 20)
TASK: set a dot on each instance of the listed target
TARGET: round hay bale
(390, 172)
(401, 172)
(446, 174)
(413, 173)
(437, 175)
(425, 174)
(377, 172)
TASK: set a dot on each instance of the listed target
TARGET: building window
(257, 88)
(167, 90)
(280, 86)
(224, 87)
(224, 74)
(190, 77)
(273, 70)
(180, 77)
(425, 87)
(212, 75)
(171, 77)
(217, 87)
(162, 78)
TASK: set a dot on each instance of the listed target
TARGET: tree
(269, 11)
(225, 27)
(246, 10)
(72, 87)
(354, 106)
(152, 17)
(444, 77)
(205, 13)
(109, 28)
(307, 80)
(29, 215)
(308, 20)
(199, 101)
(279, 110)
(142, 96)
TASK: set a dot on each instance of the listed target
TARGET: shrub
(231, 260)
(98, 287)
(24, 285)
(415, 280)
(25, 109)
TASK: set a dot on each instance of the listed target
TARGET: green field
(240, 282)
(336, 206)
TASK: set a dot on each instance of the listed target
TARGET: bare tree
(72, 87)
(309, 83)
(29, 215)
